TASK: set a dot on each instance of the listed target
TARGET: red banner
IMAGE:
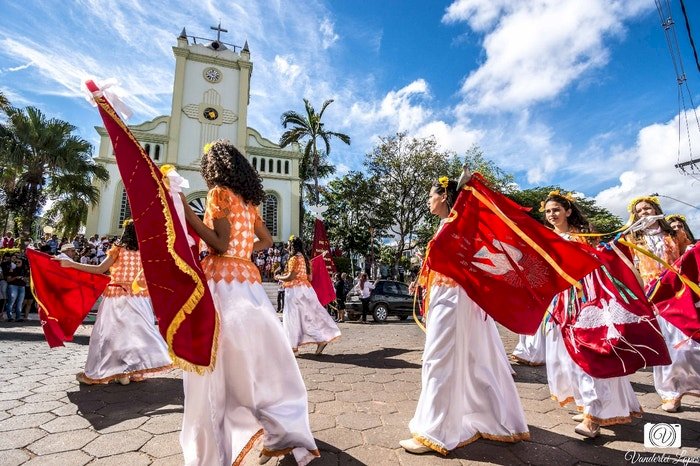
(321, 281)
(609, 328)
(508, 263)
(675, 301)
(181, 299)
(64, 296)
(321, 245)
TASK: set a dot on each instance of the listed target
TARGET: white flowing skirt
(125, 340)
(604, 401)
(255, 389)
(682, 376)
(305, 320)
(531, 348)
(467, 389)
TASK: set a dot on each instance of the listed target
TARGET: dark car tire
(380, 312)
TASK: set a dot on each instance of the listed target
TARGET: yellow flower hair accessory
(678, 216)
(292, 238)
(128, 221)
(207, 147)
(444, 181)
(637, 200)
(568, 196)
(167, 168)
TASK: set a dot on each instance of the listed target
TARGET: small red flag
(64, 296)
(321, 281)
(321, 245)
(508, 263)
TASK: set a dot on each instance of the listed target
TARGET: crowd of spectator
(271, 261)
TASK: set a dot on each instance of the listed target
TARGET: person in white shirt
(68, 252)
(364, 287)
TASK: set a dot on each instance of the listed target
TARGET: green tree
(309, 128)
(4, 102)
(405, 169)
(498, 179)
(46, 159)
(601, 219)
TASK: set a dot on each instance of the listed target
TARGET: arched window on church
(279, 166)
(269, 213)
(262, 164)
(124, 209)
(147, 149)
(156, 154)
(286, 167)
(270, 165)
(255, 163)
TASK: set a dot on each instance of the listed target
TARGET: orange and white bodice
(658, 243)
(126, 268)
(297, 264)
(235, 263)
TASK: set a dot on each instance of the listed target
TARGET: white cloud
(535, 50)
(17, 68)
(651, 170)
(328, 34)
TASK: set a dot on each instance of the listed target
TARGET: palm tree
(4, 103)
(309, 127)
(44, 154)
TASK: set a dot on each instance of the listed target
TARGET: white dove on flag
(611, 313)
(500, 265)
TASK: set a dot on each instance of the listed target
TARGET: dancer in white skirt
(530, 349)
(125, 343)
(467, 390)
(682, 376)
(306, 322)
(255, 389)
(602, 402)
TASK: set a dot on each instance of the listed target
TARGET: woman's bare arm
(216, 238)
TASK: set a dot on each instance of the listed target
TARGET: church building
(211, 94)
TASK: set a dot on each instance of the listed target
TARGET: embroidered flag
(177, 286)
(321, 245)
(64, 296)
(321, 281)
(675, 301)
(508, 263)
(609, 328)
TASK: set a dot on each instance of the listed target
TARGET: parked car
(388, 298)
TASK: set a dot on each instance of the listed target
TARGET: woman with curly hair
(682, 376)
(255, 390)
(306, 321)
(125, 343)
(467, 391)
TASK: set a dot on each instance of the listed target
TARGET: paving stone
(131, 459)
(353, 397)
(117, 442)
(545, 455)
(20, 438)
(175, 460)
(40, 407)
(340, 438)
(359, 421)
(62, 441)
(374, 455)
(163, 423)
(376, 407)
(66, 423)
(321, 421)
(319, 396)
(334, 407)
(14, 457)
(385, 436)
(163, 445)
(41, 397)
(72, 458)
(25, 421)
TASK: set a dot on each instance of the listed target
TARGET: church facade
(210, 101)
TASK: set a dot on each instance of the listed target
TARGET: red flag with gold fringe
(177, 286)
(321, 245)
(508, 263)
(64, 296)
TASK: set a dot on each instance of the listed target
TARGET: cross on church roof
(218, 31)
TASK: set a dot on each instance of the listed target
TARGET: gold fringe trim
(664, 400)
(614, 420)
(430, 444)
(127, 374)
(318, 342)
(285, 451)
(525, 361)
(198, 292)
(512, 438)
(241, 456)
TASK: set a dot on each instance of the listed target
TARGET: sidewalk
(362, 393)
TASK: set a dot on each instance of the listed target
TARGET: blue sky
(570, 92)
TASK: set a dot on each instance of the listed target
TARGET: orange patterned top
(126, 268)
(297, 264)
(235, 263)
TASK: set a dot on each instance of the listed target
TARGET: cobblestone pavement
(362, 393)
